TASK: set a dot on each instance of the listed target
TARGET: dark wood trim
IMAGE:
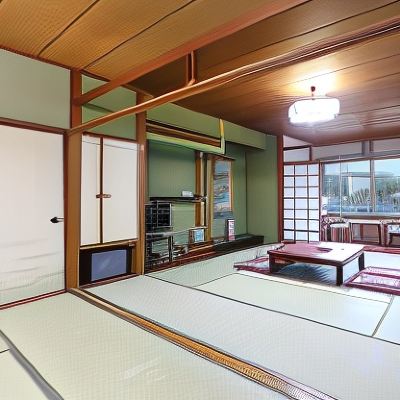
(190, 62)
(265, 377)
(160, 128)
(128, 86)
(104, 136)
(301, 163)
(32, 126)
(129, 242)
(241, 22)
(304, 53)
(73, 190)
(31, 299)
(101, 197)
(107, 281)
(199, 179)
(280, 164)
(36, 58)
(141, 137)
(296, 147)
(281, 255)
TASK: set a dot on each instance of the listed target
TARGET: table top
(326, 253)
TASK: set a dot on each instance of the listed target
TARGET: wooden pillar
(72, 196)
(279, 146)
(199, 186)
(142, 185)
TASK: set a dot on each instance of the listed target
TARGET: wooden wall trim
(199, 180)
(280, 149)
(308, 52)
(32, 126)
(73, 153)
(267, 378)
(160, 128)
(140, 251)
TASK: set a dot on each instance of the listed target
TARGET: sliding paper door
(120, 182)
(90, 188)
(109, 190)
(31, 194)
(301, 206)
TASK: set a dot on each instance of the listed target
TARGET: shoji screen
(31, 184)
(301, 209)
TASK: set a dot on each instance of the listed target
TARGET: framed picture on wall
(222, 187)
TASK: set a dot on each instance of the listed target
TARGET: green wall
(171, 169)
(262, 191)
(115, 100)
(34, 91)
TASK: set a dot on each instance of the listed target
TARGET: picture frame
(222, 191)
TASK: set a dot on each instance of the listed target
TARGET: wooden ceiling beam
(304, 53)
(267, 10)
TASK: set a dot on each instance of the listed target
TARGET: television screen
(98, 264)
(108, 263)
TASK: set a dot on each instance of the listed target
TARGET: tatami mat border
(272, 380)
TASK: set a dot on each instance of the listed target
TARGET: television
(98, 264)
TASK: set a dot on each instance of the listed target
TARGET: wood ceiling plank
(27, 26)
(276, 49)
(295, 22)
(326, 73)
(106, 26)
(192, 22)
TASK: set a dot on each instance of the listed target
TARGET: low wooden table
(322, 253)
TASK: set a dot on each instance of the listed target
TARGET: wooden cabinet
(109, 198)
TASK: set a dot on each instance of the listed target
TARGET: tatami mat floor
(329, 358)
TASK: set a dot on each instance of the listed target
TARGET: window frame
(374, 213)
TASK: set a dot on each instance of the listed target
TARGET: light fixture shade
(316, 109)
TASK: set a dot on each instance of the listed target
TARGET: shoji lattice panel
(301, 204)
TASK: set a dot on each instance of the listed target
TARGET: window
(387, 185)
(362, 187)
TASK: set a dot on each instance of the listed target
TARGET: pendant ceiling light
(314, 109)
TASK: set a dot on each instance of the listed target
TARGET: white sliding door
(31, 194)
(90, 187)
(109, 190)
(120, 181)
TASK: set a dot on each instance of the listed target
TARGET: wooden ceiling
(121, 38)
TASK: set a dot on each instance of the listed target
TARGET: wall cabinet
(109, 193)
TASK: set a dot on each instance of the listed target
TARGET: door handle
(56, 220)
